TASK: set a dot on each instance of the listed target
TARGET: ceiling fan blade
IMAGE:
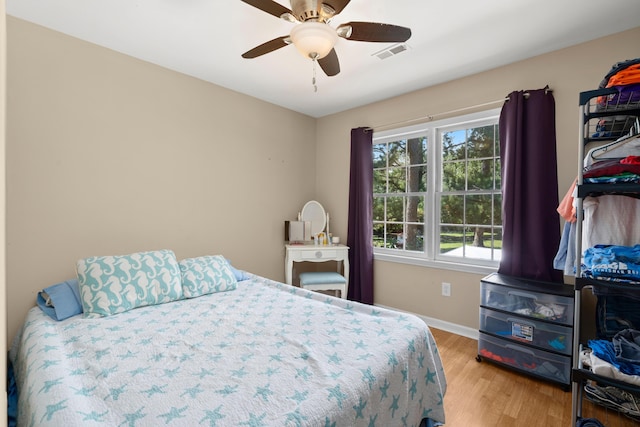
(267, 47)
(330, 64)
(269, 6)
(337, 5)
(374, 32)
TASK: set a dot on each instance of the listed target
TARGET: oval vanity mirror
(314, 212)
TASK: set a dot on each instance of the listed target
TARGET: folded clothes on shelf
(624, 77)
(626, 345)
(604, 349)
(612, 262)
(605, 369)
(616, 69)
(625, 169)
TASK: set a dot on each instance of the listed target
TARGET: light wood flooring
(482, 394)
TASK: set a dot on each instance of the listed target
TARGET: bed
(260, 353)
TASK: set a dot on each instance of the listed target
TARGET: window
(436, 193)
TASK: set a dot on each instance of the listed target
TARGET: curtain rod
(446, 113)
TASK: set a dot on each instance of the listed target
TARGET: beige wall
(107, 154)
(3, 288)
(110, 155)
(567, 72)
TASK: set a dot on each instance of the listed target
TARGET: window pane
(498, 174)
(497, 209)
(453, 176)
(395, 209)
(417, 154)
(481, 142)
(479, 209)
(487, 252)
(452, 240)
(454, 145)
(415, 209)
(395, 236)
(397, 153)
(380, 155)
(478, 219)
(378, 235)
(495, 240)
(414, 239)
(380, 181)
(417, 151)
(452, 209)
(480, 174)
(417, 179)
(378, 208)
(397, 180)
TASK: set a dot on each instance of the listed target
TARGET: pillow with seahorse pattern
(206, 275)
(115, 284)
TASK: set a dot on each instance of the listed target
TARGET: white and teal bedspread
(264, 354)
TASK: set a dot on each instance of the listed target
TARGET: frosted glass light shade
(313, 39)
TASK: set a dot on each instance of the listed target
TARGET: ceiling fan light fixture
(314, 39)
(344, 31)
(289, 18)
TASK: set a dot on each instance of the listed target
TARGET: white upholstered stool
(324, 281)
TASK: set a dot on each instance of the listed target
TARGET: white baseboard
(454, 328)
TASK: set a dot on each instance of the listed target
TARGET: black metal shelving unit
(602, 121)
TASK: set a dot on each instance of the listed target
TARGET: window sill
(442, 265)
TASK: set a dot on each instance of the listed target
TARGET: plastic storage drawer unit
(532, 361)
(528, 302)
(527, 325)
(538, 333)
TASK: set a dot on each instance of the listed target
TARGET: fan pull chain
(313, 79)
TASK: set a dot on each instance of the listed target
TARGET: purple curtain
(360, 226)
(531, 225)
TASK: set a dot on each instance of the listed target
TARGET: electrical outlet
(446, 289)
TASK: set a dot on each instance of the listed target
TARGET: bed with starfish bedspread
(260, 354)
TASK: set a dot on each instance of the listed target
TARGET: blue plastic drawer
(533, 361)
(528, 303)
(541, 334)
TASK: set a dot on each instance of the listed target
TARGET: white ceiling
(450, 39)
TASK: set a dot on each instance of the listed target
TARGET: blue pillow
(114, 284)
(240, 275)
(206, 275)
(61, 301)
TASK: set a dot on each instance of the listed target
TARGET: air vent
(391, 51)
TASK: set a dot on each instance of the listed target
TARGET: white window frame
(430, 257)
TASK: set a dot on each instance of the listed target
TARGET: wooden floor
(482, 394)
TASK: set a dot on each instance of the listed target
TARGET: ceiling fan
(314, 37)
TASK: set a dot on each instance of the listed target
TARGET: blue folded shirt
(61, 301)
